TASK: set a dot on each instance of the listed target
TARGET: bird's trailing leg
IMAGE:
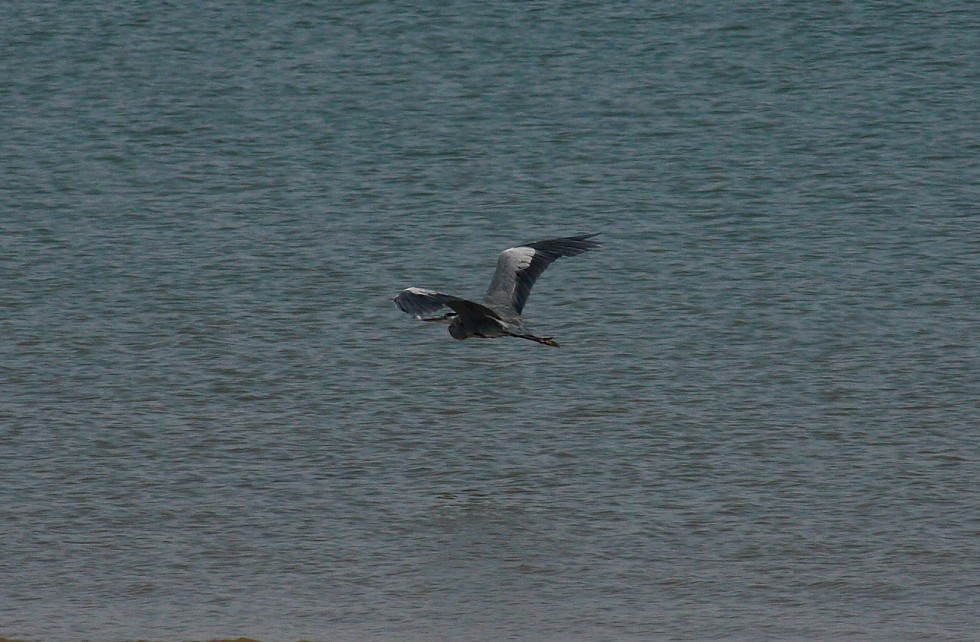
(548, 341)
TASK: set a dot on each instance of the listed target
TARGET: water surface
(762, 421)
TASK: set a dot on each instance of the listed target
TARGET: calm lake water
(763, 421)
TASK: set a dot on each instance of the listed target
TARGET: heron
(499, 315)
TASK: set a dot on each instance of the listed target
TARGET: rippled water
(763, 419)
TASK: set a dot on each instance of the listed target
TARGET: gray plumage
(499, 314)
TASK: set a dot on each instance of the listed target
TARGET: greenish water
(763, 419)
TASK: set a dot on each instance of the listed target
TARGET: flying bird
(499, 315)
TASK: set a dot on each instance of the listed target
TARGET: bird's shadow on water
(462, 498)
(486, 513)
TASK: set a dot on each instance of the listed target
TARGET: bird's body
(499, 314)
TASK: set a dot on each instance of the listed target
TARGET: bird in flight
(499, 315)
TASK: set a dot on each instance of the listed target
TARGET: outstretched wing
(423, 304)
(469, 309)
(519, 267)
